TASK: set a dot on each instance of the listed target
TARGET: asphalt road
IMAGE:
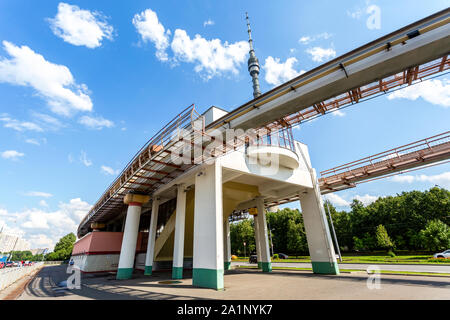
(239, 284)
(361, 266)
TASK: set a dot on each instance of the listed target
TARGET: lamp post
(245, 252)
(270, 238)
(334, 232)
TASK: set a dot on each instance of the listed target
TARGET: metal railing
(392, 154)
(10, 275)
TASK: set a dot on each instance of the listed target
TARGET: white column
(130, 235)
(320, 245)
(151, 237)
(208, 228)
(266, 263)
(226, 244)
(257, 242)
(178, 245)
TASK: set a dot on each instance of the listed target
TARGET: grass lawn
(359, 271)
(399, 259)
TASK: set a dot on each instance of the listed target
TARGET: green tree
(21, 255)
(63, 249)
(435, 236)
(382, 237)
(296, 238)
(241, 232)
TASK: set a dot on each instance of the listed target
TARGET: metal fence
(10, 275)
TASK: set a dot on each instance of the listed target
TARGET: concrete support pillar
(257, 242)
(208, 228)
(178, 245)
(266, 263)
(226, 244)
(151, 238)
(320, 245)
(130, 235)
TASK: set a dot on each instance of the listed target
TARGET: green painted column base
(325, 267)
(266, 266)
(148, 271)
(207, 278)
(227, 265)
(177, 272)
(124, 273)
(259, 265)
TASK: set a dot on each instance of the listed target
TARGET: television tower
(253, 63)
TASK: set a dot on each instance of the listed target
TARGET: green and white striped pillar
(257, 242)
(151, 238)
(178, 245)
(226, 244)
(266, 263)
(321, 249)
(208, 266)
(130, 235)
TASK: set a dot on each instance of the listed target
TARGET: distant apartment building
(39, 251)
(10, 242)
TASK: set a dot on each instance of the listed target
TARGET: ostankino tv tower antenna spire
(253, 63)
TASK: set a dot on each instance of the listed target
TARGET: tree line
(409, 221)
(62, 251)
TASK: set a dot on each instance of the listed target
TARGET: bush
(391, 254)
(275, 256)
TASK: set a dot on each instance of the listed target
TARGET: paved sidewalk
(239, 284)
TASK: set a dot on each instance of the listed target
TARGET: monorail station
(171, 207)
(185, 223)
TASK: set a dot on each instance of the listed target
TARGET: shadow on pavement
(432, 281)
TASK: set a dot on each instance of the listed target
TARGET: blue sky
(85, 84)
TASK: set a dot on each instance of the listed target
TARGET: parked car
(2, 265)
(445, 254)
(283, 256)
(253, 259)
(9, 264)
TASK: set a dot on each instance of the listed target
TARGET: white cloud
(308, 39)
(341, 202)
(84, 160)
(355, 13)
(48, 122)
(277, 72)
(109, 170)
(41, 241)
(43, 228)
(33, 141)
(43, 203)
(319, 54)
(366, 199)
(53, 82)
(75, 208)
(80, 27)
(20, 125)
(211, 56)
(403, 178)
(150, 29)
(39, 194)
(336, 200)
(209, 22)
(96, 123)
(433, 91)
(11, 154)
(338, 113)
(442, 179)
